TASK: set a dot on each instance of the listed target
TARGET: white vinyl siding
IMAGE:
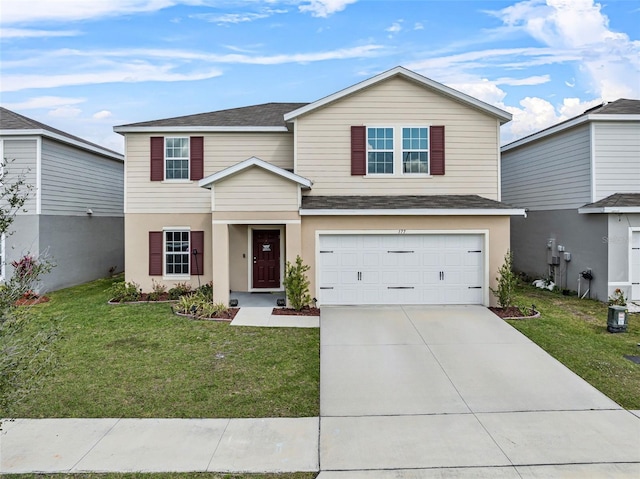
(471, 146)
(553, 173)
(74, 180)
(617, 158)
(221, 150)
(21, 161)
(255, 190)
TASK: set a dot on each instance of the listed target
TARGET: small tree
(296, 284)
(24, 352)
(507, 281)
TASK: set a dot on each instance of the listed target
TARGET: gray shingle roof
(622, 106)
(617, 200)
(266, 114)
(400, 202)
(10, 120)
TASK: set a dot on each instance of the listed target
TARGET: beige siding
(255, 190)
(324, 151)
(221, 150)
(617, 157)
(137, 227)
(497, 226)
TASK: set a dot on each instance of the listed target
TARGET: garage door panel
(402, 269)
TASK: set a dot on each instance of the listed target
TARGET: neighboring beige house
(389, 190)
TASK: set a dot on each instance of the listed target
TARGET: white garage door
(401, 269)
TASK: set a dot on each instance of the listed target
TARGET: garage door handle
(400, 287)
(326, 287)
(326, 251)
(475, 251)
(400, 251)
(475, 287)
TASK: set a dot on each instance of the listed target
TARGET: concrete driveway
(425, 392)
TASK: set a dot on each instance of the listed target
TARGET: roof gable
(425, 82)
(249, 163)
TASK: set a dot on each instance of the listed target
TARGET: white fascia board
(248, 163)
(401, 71)
(570, 124)
(416, 212)
(201, 129)
(64, 139)
(610, 210)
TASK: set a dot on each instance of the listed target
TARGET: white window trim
(166, 276)
(188, 158)
(397, 152)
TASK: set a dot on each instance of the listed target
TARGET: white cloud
(103, 114)
(610, 60)
(234, 18)
(528, 81)
(324, 8)
(394, 28)
(7, 33)
(535, 114)
(483, 89)
(142, 65)
(418, 26)
(44, 102)
(15, 11)
(65, 112)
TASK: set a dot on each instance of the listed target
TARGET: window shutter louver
(197, 158)
(436, 147)
(157, 158)
(358, 151)
(197, 261)
(155, 253)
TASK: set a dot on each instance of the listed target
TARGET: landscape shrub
(296, 284)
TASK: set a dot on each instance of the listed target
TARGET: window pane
(380, 147)
(415, 151)
(177, 252)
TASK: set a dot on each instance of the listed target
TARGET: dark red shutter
(436, 147)
(197, 244)
(155, 253)
(157, 158)
(358, 150)
(197, 158)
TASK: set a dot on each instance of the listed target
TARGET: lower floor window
(176, 250)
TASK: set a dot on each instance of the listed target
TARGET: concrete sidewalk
(159, 445)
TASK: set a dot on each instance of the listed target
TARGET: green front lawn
(143, 361)
(574, 331)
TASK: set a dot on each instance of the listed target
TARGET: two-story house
(74, 212)
(389, 190)
(580, 181)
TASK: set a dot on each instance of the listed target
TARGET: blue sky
(84, 66)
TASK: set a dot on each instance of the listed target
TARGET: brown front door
(266, 259)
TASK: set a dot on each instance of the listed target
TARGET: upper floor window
(415, 150)
(176, 158)
(176, 153)
(380, 150)
(403, 149)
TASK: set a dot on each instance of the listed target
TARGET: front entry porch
(249, 258)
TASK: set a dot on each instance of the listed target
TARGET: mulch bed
(31, 301)
(294, 312)
(513, 312)
(227, 316)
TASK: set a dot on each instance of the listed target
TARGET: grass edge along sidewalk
(142, 361)
(574, 331)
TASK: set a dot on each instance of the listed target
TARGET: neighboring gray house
(580, 181)
(75, 211)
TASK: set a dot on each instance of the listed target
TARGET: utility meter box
(617, 319)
